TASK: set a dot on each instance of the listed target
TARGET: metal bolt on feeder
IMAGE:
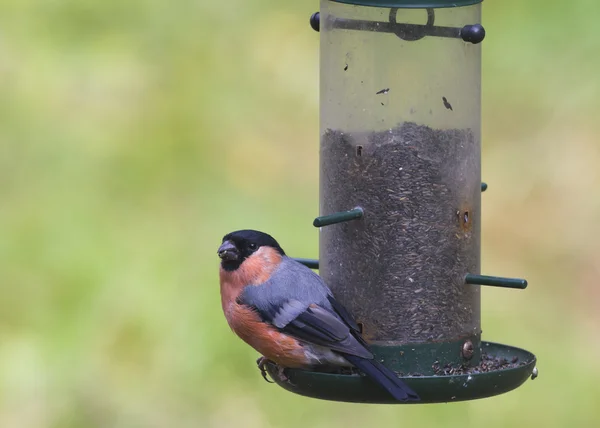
(400, 199)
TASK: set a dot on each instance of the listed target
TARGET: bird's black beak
(228, 251)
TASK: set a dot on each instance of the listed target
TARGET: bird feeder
(400, 199)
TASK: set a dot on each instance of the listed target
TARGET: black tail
(384, 377)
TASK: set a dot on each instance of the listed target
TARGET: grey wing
(322, 327)
(297, 302)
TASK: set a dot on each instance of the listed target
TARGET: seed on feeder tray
(467, 350)
(488, 363)
(383, 91)
(346, 67)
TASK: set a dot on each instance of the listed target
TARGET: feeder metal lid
(411, 4)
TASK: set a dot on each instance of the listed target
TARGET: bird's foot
(281, 375)
(261, 363)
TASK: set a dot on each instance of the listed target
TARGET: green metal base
(431, 388)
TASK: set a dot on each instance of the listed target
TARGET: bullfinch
(288, 314)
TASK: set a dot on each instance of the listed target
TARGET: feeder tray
(431, 388)
(400, 200)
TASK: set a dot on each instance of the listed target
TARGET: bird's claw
(261, 363)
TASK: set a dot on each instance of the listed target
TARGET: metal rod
(483, 187)
(496, 281)
(388, 27)
(469, 33)
(326, 220)
(310, 263)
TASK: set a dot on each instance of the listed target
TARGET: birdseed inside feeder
(400, 198)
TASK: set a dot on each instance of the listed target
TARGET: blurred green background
(134, 135)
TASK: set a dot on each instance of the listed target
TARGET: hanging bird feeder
(400, 199)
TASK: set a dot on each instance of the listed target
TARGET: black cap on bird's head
(239, 245)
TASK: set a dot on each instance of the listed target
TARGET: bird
(287, 313)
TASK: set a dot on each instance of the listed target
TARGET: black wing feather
(321, 327)
(343, 313)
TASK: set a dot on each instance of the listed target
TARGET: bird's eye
(252, 246)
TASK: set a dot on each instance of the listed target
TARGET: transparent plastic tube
(400, 138)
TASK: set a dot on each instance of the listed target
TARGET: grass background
(134, 135)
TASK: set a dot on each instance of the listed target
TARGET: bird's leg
(261, 363)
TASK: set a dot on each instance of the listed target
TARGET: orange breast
(278, 347)
(255, 270)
